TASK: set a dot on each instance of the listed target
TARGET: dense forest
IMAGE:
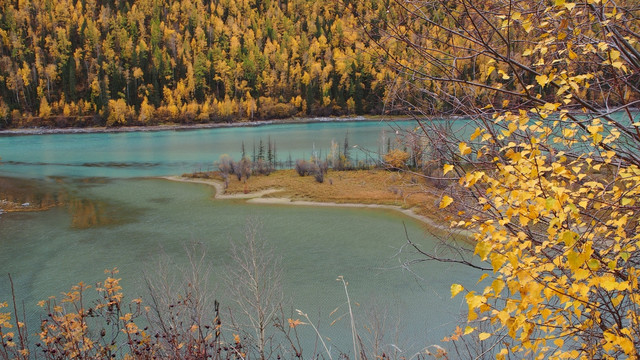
(122, 62)
(88, 62)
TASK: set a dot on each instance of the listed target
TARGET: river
(116, 213)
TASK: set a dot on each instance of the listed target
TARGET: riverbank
(378, 189)
(175, 127)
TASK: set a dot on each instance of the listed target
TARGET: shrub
(226, 165)
(319, 176)
(396, 159)
(304, 168)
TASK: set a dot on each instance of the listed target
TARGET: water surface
(109, 215)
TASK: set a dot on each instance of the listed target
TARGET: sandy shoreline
(257, 198)
(93, 130)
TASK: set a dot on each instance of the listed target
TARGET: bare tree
(254, 281)
(182, 308)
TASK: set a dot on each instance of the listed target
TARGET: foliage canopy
(548, 177)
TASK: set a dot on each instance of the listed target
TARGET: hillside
(86, 62)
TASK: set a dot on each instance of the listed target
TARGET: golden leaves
(464, 149)
(456, 289)
(546, 198)
(483, 248)
(446, 201)
(542, 80)
(446, 168)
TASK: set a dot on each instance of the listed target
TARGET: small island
(373, 188)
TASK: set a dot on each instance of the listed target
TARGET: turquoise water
(135, 154)
(117, 216)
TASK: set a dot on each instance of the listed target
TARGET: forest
(115, 63)
(87, 63)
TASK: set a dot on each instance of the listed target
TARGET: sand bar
(257, 198)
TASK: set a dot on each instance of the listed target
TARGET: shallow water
(109, 218)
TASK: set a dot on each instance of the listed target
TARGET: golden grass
(362, 187)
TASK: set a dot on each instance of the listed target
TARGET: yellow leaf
(468, 330)
(446, 201)
(447, 168)
(569, 6)
(483, 248)
(627, 346)
(455, 289)
(497, 260)
(568, 237)
(581, 274)
(551, 204)
(484, 336)
(464, 148)
(479, 132)
(497, 286)
(484, 276)
(608, 282)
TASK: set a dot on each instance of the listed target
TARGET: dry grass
(362, 187)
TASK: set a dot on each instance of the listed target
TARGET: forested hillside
(88, 62)
(117, 62)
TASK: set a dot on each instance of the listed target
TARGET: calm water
(115, 215)
(137, 154)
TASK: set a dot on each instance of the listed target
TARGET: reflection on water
(128, 223)
(28, 195)
(20, 195)
(86, 213)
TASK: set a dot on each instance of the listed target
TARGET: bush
(262, 167)
(304, 168)
(226, 165)
(396, 159)
(319, 176)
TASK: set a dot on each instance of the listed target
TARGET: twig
(15, 311)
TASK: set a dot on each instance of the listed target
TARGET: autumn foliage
(396, 158)
(107, 327)
(84, 63)
(547, 172)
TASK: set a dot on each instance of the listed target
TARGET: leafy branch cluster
(547, 167)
